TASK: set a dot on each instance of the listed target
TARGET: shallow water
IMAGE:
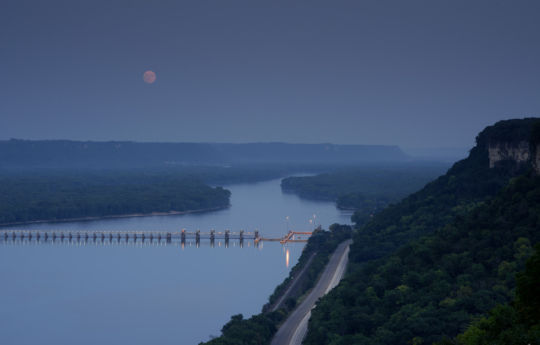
(153, 293)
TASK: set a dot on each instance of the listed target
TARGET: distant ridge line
(20, 154)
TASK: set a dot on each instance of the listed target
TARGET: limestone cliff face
(500, 151)
(510, 144)
(519, 152)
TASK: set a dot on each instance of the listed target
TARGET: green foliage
(433, 287)
(511, 324)
(528, 293)
(467, 184)
(63, 196)
(257, 330)
(368, 188)
(423, 269)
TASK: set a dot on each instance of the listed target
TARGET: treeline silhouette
(367, 188)
(60, 196)
(16, 154)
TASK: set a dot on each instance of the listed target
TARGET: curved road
(294, 329)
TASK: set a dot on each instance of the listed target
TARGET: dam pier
(167, 237)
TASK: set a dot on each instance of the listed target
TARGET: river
(153, 294)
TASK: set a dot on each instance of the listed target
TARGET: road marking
(339, 272)
(301, 330)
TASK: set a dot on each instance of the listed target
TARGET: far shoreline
(114, 216)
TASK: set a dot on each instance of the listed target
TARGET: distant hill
(59, 154)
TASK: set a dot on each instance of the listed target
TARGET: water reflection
(93, 285)
(287, 258)
(133, 242)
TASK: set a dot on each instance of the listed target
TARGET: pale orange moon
(149, 77)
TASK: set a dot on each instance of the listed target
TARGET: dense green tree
(63, 196)
(423, 269)
(369, 188)
(515, 323)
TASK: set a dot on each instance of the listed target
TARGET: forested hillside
(466, 234)
(434, 286)
(514, 323)
(369, 188)
(465, 185)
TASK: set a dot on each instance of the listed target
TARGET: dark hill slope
(434, 286)
(515, 323)
(467, 183)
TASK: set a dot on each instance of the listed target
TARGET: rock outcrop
(500, 151)
(512, 143)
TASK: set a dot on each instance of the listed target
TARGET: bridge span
(116, 236)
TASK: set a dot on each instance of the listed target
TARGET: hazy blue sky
(412, 73)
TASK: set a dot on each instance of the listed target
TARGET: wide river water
(153, 293)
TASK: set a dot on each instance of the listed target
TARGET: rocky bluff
(512, 143)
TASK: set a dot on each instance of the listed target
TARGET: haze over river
(152, 294)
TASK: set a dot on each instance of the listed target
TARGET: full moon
(149, 77)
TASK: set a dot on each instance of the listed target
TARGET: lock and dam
(17, 236)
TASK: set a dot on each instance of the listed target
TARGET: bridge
(115, 236)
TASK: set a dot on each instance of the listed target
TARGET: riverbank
(131, 215)
(156, 287)
(304, 276)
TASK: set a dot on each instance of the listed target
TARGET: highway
(297, 279)
(294, 329)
